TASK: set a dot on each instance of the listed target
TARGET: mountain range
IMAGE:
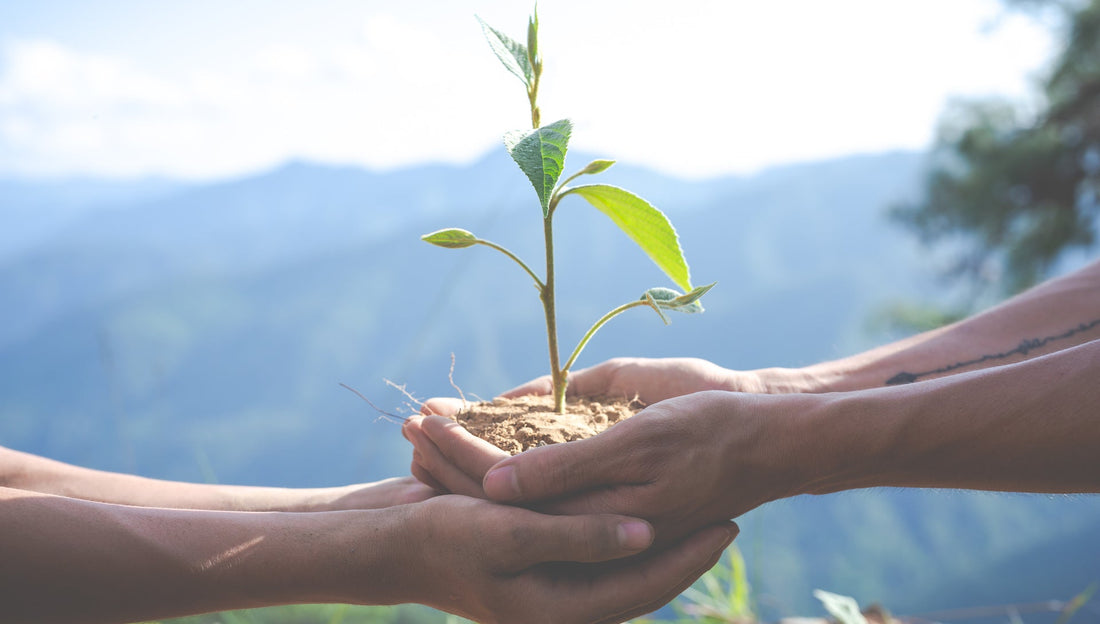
(200, 331)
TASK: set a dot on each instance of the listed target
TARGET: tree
(1009, 190)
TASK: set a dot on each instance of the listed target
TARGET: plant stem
(514, 257)
(596, 326)
(557, 375)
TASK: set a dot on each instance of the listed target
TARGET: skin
(1005, 400)
(24, 471)
(113, 558)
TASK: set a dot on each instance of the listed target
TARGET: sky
(208, 89)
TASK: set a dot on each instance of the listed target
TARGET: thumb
(540, 385)
(584, 539)
(558, 469)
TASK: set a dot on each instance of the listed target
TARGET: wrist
(777, 380)
(351, 557)
(855, 440)
(768, 447)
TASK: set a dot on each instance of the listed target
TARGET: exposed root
(382, 413)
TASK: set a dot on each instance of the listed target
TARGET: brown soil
(516, 425)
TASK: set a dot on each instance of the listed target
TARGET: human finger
(428, 458)
(442, 406)
(539, 538)
(467, 452)
(585, 382)
(653, 580)
(558, 469)
(422, 475)
(540, 385)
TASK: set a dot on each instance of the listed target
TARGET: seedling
(540, 154)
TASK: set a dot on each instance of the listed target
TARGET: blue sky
(208, 89)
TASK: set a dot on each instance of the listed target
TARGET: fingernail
(635, 535)
(502, 484)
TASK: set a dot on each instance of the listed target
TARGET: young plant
(540, 154)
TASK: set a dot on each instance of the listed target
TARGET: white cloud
(712, 87)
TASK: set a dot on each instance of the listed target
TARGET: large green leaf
(644, 224)
(512, 54)
(541, 155)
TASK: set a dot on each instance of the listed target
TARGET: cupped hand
(647, 379)
(681, 464)
(498, 563)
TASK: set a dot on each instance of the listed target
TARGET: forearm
(68, 560)
(1055, 315)
(1033, 426)
(29, 472)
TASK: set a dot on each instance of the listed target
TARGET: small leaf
(670, 299)
(652, 301)
(541, 155)
(512, 54)
(453, 238)
(690, 302)
(533, 39)
(596, 166)
(644, 224)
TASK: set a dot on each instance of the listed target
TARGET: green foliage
(1011, 190)
(512, 55)
(540, 154)
(1078, 601)
(721, 596)
(644, 224)
(452, 238)
(668, 299)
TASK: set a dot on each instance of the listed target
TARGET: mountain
(201, 331)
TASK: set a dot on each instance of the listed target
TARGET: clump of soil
(516, 425)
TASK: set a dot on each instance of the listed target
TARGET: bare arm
(29, 472)
(1033, 426)
(69, 560)
(1055, 315)
(1058, 314)
(75, 561)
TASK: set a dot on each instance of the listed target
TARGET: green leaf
(512, 54)
(533, 39)
(644, 224)
(541, 155)
(452, 238)
(596, 166)
(672, 300)
(653, 303)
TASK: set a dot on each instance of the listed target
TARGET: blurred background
(210, 212)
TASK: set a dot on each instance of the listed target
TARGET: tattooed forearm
(1027, 345)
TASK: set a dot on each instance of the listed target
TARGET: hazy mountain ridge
(203, 331)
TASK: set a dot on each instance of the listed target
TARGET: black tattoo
(1025, 346)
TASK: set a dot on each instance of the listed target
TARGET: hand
(494, 563)
(447, 457)
(648, 380)
(682, 464)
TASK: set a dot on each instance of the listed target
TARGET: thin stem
(596, 326)
(557, 377)
(514, 257)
